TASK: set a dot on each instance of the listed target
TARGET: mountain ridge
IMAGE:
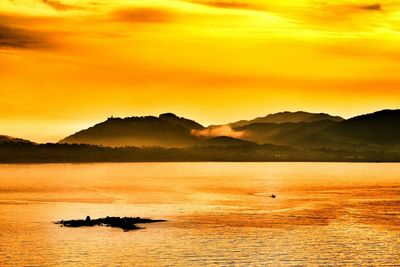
(10, 139)
(167, 130)
(287, 116)
(374, 131)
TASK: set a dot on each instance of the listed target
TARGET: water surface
(219, 214)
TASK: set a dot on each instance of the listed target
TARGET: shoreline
(189, 161)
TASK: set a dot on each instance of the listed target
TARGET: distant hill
(9, 139)
(380, 129)
(286, 117)
(290, 133)
(371, 137)
(167, 130)
(186, 123)
(376, 131)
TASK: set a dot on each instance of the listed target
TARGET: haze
(65, 64)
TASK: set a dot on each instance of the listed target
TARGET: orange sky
(66, 64)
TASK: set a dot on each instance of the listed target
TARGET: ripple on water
(218, 216)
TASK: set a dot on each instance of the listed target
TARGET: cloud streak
(60, 6)
(373, 7)
(142, 15)
(215, 131)
(11, 37)
(248, 5)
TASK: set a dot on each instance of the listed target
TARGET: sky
(68, 64)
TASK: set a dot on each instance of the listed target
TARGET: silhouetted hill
(376, 131)
(167, 130)
(380, 129)
(9, 139)
(371, 137)
(286, 117)
(188, 124)
(292, 134)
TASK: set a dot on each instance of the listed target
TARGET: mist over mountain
(302, 130)
(369, 137)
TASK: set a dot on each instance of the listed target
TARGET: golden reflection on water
(219, 214)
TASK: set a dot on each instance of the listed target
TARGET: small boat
(273, 196)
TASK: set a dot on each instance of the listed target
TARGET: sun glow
(74, 62)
